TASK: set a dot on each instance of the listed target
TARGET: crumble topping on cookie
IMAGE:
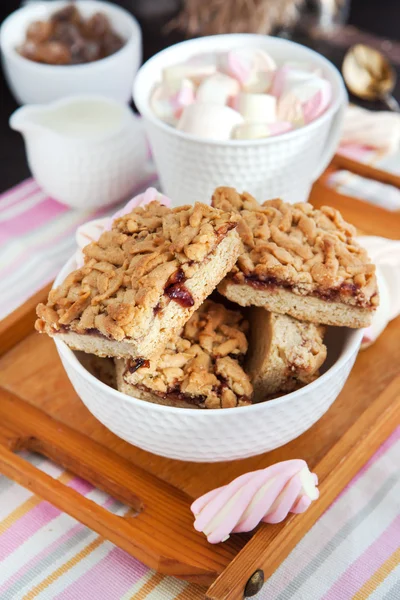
(306, 250)
(203, 364)
(133, 271)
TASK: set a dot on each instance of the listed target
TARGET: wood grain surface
(39, 410)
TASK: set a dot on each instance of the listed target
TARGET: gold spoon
(369, 75)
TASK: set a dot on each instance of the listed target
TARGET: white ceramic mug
(285, 166)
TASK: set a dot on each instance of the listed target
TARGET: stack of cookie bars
(283, 272)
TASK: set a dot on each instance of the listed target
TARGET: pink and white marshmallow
(168, 107)
(210, 121)
(286, 77)
(193, 69)
(217, 89)
(256, 108)
(305, 102)
(244, 64)
(268, 495)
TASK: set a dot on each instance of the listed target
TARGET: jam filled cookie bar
(299, 261)
(142, 280)
(199, 369)
(284, 353)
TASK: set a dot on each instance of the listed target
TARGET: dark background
(380, 17)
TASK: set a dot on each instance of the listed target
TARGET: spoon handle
(391, 103)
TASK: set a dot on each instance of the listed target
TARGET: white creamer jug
(84, 151)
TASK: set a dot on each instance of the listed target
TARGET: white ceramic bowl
(285, 166)
(35, 83)
(214, 435)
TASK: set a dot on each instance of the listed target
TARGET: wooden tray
(40, 411)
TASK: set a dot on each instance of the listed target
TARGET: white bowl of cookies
(218, 378)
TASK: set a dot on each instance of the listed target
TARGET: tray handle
(263, 554)
(163, 524)
(63, 497)
(365, 170)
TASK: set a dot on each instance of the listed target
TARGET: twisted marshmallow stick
(267, 495)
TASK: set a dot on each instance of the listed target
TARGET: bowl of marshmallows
(259, 113)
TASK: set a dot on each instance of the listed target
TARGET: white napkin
(385, 254)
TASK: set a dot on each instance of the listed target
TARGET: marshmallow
(267, 495)
(305, 102)
(217, 89)
(260, 83)
(255, 131)
(168, 107)
(257, 108)
(210, 121)
(286, 78)
(304, 66)
(290, 109)
(315, 96)
(183, 97)
(246, 64)
(196, 70)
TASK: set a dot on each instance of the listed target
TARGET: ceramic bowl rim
(143, 104)
(352, 346)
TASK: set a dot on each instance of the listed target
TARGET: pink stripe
(26, 567)
(361, 569)
(341, 517)
(48, 550)
(19, 188)
(34, 520)
(30, 191)
(110, 578)
(38, 215)
(12, 267)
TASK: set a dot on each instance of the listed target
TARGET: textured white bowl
(35, 83)
(213, 435)
(285, 166)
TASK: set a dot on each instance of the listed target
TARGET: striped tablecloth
(353, 551)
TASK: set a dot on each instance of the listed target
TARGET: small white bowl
(35, 83)
(285, 166)
(214, 435)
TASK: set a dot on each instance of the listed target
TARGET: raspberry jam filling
(174, 394)
(176, 290)
(136, 363)
(349, 290)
